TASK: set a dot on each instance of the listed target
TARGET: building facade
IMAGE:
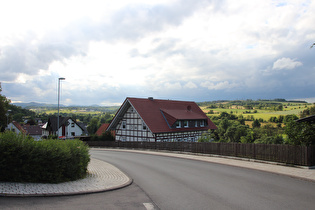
(68, 127)
(160, 120)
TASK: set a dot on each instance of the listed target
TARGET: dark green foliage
(4, 104)
(233, 129)
(106, 136)
(256, 124)
(300, 133)
(308, 112)
(49, 161)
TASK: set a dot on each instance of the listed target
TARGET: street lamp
(7, 114)
(60, 78)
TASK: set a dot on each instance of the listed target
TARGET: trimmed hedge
(49, 161)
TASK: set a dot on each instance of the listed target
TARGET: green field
(265, 114)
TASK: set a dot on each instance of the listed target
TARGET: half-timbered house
(140, 119)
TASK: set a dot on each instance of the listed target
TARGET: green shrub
(49, 161)
(106, 136)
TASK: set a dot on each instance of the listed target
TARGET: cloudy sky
(170, 49)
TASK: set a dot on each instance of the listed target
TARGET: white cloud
(224, 85)
(173, 86)
(286, 63)
(115, 48)
(190, 85)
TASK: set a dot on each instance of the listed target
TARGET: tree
(205, 137)
(300, 133)
(4, 104)
(256, 124)
(93, 125)
(289, 118)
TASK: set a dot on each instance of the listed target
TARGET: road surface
(175, 183)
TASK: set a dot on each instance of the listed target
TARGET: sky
(190, 50)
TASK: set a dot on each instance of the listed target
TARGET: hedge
(48, 161)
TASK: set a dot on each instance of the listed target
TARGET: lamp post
(7, 114)
(60, 78)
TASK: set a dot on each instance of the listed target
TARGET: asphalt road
(174, 183)
(131, 198)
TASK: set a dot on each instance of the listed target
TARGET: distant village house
(68, 128)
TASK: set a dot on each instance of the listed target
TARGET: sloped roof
(33, 129)
(53, 123)
(309, 119)
(102, 129)
(159, 115)
(19, 127)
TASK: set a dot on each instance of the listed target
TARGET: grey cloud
(132, 22)
(135, 21)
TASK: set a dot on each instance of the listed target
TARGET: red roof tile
(19, 127)
(102, 129)
(160, 115)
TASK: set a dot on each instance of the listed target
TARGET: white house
(30, 130)
(16, 127)
(68, 127)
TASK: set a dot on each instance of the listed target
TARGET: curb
(101, 177)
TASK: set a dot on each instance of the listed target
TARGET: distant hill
(34, 105)
(39, 106)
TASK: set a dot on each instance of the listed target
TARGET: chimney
(150, 98)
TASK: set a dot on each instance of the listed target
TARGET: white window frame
(202, 123)
(178, 124)
(186, 124)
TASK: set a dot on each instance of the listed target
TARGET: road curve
(175, 183)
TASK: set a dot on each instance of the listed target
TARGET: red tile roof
(102, 129)
(19, 127)
(160, 115)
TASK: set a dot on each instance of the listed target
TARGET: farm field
(266, 113)
(265, 110)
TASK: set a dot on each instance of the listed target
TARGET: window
(178, 124)
(72, 133)
(144, 127)
(123, 124)
(186, 123)
(72, 124)
(202, 123)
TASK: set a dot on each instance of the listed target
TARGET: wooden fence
(288, 154)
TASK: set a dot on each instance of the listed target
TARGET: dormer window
(196, 123)
(202, 123)
(186, 123)
(178, 124)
